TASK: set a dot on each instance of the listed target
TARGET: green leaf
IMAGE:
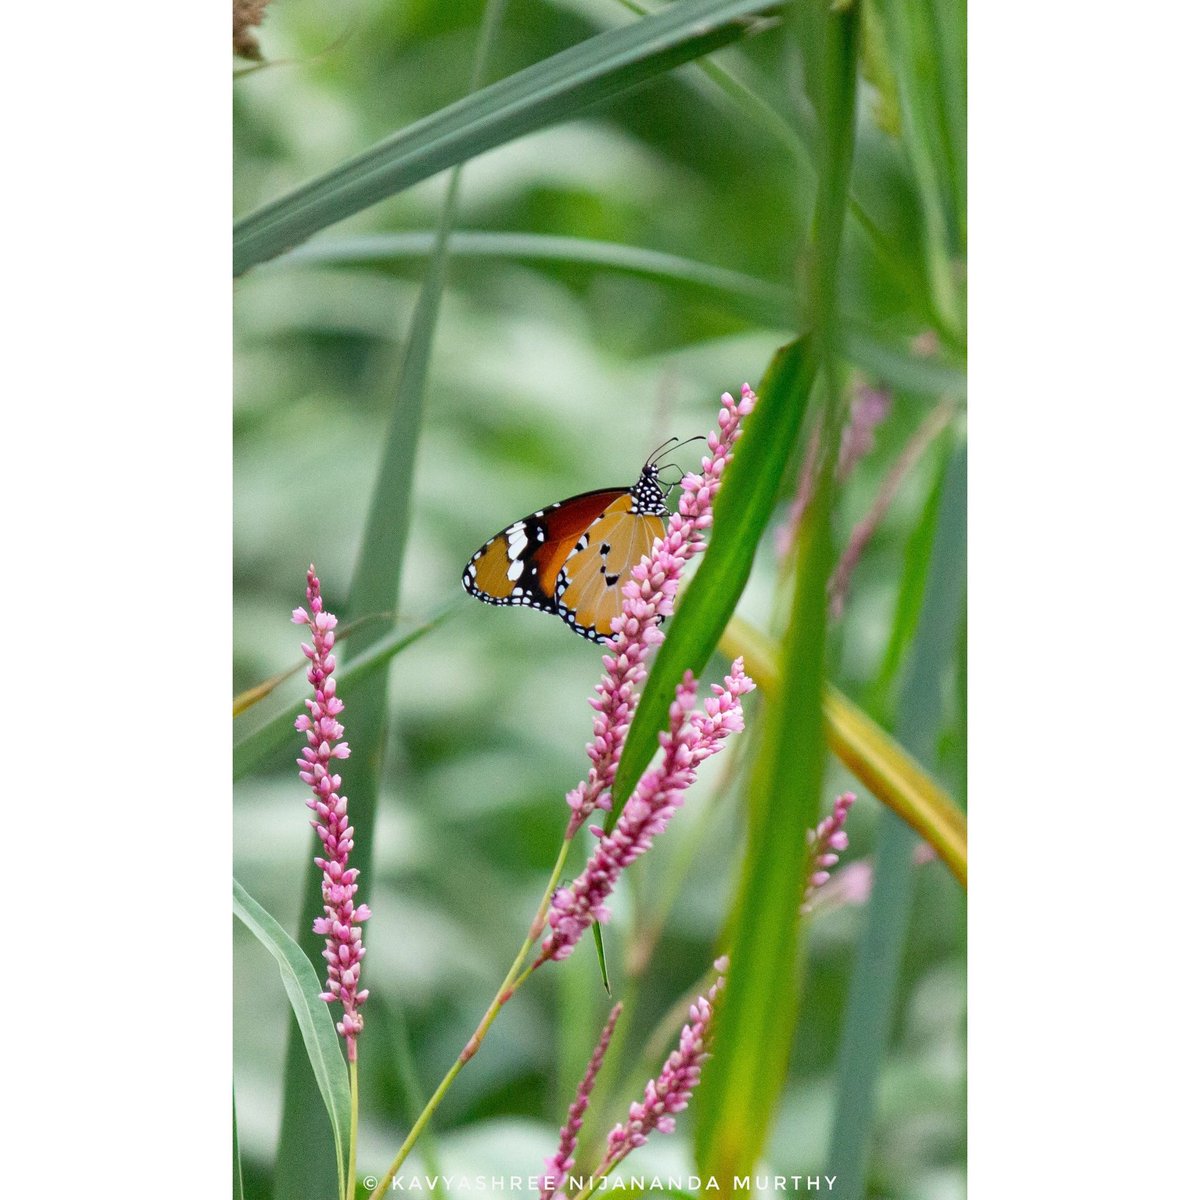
(601, 958)
(252, 747)
(927, 52)
(375, 587)
(896, 366)
(913, 578)
(828, 40)
(757, 1011)
(238, 1188)
(873, 987)
(768, 303)
(545, 93)
(868, 752)
(740, 514)
(312, 1016)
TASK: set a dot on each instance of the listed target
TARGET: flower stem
(503, 994)
(351, 1177)
(601, 1172)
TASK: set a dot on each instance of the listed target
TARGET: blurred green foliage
(550, 377)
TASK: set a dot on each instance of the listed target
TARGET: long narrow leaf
(239, 1190)
(320, 1039)
(763, 301)
(897, 367)
(769, 304)
(828, 38)
(545, 93)
(869, 1011)
(252, 747)
(933, 113)
(918, 548)
(868, 752)
(740, 514)
(375, 587)
(756, 1016)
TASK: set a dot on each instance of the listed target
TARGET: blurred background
(551, 377)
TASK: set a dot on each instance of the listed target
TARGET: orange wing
(571, 558)
(589, 584)
(520, 564)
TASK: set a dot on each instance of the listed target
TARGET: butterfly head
(648, 494)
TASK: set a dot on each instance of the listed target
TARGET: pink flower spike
(650, 596)
(559, 1164)
(692, 736)
(341, 924)
(851, 884)
(671, 1091)
(825, 843)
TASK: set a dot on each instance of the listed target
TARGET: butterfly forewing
(520, 564)
(571, 558)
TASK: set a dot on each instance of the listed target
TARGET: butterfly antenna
(659, 451)
(668, 448)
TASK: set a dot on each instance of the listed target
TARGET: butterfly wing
(521, 564)
(588, 588)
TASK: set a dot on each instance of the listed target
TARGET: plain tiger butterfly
(571, 558)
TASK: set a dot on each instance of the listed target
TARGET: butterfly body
(572, 558)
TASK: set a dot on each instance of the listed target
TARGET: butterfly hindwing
(565, 524)
(572, 558)
(588, 589)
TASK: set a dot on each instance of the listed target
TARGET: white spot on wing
(517, 541)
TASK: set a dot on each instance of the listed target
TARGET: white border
(116, 485)
(1083, 603)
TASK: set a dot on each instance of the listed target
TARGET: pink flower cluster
(649, 596)
(826, 843)
(341, 924)
(670, 1092)
(691, 737)
(560, 1163)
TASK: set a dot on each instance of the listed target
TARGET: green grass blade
(757, 1013)
(926, 47)
(917, 551)
(375, 587)
(947, 23)
(270, 735)
(740, 514)
(828, 40)
(316, 1027)
(896, 366)
(869, 1010)
(239, 1190)
(601, 957)
(547, 92)
(769, 303)
(868, 752)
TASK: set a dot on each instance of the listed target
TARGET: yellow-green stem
(600, 1173)
(870, 753)
(512, 981)
(351, 1176)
